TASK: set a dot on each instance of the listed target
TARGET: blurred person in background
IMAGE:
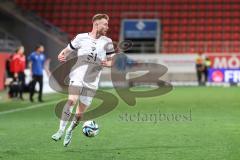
(37, 61)
(18, 65)
(200, 69)
(207, 66)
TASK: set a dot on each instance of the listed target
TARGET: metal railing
(8, 43)
(33, 18)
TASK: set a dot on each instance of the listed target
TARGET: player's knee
(72, 101)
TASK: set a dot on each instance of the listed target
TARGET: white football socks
(66, 114)
(74, 123)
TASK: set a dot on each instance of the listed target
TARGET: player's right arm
(73, 45)
(63, 54)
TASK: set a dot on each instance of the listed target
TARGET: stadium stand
(188, 26)
(8, 43)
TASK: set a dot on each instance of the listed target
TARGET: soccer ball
(90, 128)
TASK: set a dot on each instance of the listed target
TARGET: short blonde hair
(100, 16)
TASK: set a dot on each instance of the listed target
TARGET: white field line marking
(28, 108)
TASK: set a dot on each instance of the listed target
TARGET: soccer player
(91, 49)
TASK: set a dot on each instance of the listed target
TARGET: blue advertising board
(224, 75)
(141, 29)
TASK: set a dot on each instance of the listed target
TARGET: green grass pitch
(188, 123)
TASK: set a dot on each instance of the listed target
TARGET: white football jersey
(87, 70)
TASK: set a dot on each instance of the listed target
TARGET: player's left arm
(109, 62)
(110, 53)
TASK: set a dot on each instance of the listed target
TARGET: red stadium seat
(200, 22)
